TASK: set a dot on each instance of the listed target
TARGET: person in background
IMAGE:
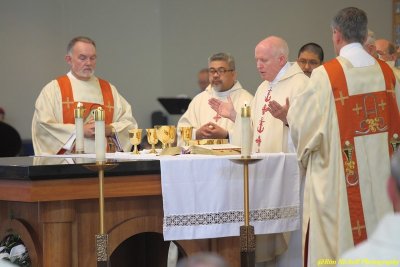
(207, 123)
(202, 79)
(310, 56)
(386, 51)
(369, 44)
(53, 124)
(345, 126)
(383, 246)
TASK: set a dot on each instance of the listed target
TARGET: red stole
(68, 103)
(359, 115)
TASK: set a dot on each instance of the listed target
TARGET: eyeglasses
(312, 62)
(220, 71)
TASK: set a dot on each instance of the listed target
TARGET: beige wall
(154, 48)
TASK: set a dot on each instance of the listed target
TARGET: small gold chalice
(135, 137)
(186, 134)
(152, 139)
(172, 135)
(163, 134)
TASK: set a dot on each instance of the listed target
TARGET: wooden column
(57, 218)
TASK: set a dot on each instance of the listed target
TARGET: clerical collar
(356, 54)
(226, 93)
(280, 74)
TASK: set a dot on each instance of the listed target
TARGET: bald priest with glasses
(206, 122)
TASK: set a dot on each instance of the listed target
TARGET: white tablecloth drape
(203, 195)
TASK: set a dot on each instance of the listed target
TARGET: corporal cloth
(314, 126)
(50, 134)
(199, 111)
(203, 195)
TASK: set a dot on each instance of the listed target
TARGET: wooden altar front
(57, 217)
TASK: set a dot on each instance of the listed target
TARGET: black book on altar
(175, 105)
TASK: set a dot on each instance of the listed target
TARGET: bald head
(385, 49)
(271, 55)
(276, 45)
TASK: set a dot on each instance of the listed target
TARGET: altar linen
(203, 196)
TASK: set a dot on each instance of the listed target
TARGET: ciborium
(186, 134)
(163, 134)
(152, 139)
(135, 137)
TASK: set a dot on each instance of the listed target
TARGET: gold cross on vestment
(382, 104)
(341, 98)
(109, 106)
(68, 102)
(358, 228)
(357, 109)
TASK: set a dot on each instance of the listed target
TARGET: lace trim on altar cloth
(231, 217)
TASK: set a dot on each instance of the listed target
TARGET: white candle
(100, 136)
(246, 131)
(79, 146)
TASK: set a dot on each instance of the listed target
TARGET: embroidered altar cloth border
(203, 195)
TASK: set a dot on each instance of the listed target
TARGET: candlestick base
(101, 238)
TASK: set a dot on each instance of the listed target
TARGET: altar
(52, 203)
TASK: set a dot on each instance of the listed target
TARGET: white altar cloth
(203, 195)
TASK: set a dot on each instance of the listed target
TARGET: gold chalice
(172, 135)
(135, 137)
(186, 134)
(152, 139)
(163, 134)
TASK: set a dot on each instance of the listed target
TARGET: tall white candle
(100, 135)
(79, 145)
(246, 131)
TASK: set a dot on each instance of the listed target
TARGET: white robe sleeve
(49, 133)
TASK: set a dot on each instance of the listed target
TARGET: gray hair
(352, 23)
(203, 259)
(395, 167)
(79, 39)
(223, 57)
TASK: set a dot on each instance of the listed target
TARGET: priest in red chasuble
(53, 125)
(345, 125)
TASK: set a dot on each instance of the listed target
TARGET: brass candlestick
(247, 237)
(101, 237)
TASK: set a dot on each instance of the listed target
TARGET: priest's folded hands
(211, 131)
